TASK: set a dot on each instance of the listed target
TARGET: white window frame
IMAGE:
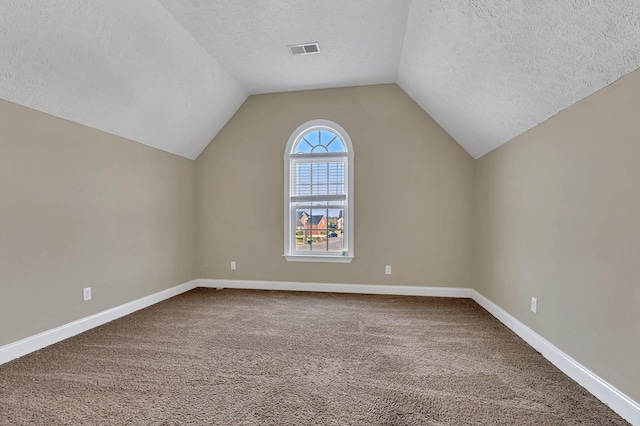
(290, 212)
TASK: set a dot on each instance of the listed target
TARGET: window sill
(327, 259)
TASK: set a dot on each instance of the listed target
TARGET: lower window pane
(319, 230)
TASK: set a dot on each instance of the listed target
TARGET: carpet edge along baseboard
(600, 388)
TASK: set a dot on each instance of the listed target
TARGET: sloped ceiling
(487, 71)
(170, 73)
(125, 67)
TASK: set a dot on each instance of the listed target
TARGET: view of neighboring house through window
(319, 194)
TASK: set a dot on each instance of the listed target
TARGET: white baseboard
(44, 339)
(616, 400)
(397, 290)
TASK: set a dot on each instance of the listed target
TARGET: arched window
(318, 180)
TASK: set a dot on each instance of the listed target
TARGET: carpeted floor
(241, 357)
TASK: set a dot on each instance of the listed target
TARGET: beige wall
(413, 191)
(554, 214)
(559, 219)
(79, 207)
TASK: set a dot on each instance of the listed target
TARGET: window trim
(290, 255)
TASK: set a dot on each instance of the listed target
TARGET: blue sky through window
(319, 141)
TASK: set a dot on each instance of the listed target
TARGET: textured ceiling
(487, 71)
(170, 73)
(125, 67)
(360, 40)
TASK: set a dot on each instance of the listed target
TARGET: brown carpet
(240, 357)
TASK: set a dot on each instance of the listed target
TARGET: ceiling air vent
(304, 49)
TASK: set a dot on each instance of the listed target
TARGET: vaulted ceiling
(170, 73)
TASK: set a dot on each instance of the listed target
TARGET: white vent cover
(304, 49)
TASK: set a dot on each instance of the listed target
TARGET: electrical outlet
(534, 305)
(86, 294)
(233, 265)
(387, 269)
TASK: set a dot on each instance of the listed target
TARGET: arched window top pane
(319, 141)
